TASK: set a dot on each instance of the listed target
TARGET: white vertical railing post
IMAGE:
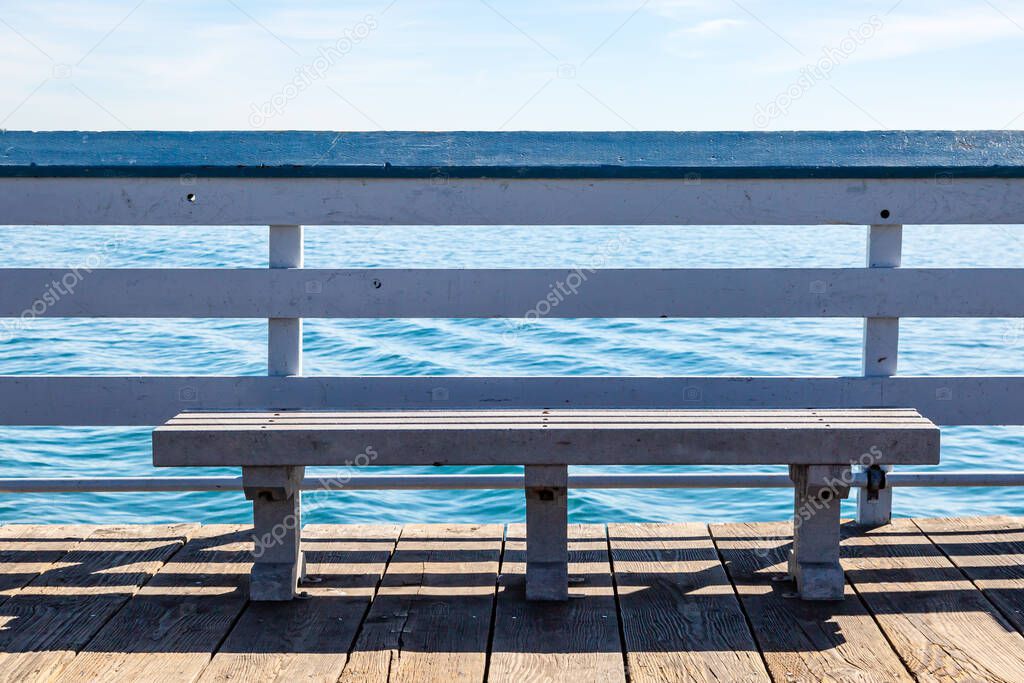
(881, 347)
(284, 335)
(276, 491)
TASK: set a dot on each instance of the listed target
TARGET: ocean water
(797, 347)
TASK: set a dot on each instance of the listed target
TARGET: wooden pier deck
(928, 599)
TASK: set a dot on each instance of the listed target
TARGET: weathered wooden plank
(432, 614)
(852, 414)
(990, 551)
(801, 641)
(301, 427)
(55, 400)
(582, 424)
(514, 155)
(942, 626)
(547, 418)
(576, 640)
(546, 439)
(28, 550)
(309, 640)
(57, 613)
(386, 202)
(511, 293)
(170, 629)
(680, 617)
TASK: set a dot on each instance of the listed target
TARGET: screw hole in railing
(884, 213)
(191, 197)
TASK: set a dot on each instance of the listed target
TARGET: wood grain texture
(431, 621)
(170, 629)
(680, 616)
(28, 550)
(493, 201)
(55, 400)
(401, 154)
(544, 418)
(309, 640)
(576, 640)
(576, 413)
(801, 641)
(513, 293)
(432, 614)
(485, 438)
(990, 551)
(59, 611)
(943, 628)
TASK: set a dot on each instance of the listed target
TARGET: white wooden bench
(820, 446)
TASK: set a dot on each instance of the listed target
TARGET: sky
(505, 65)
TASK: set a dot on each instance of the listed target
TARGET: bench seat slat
(511, 425)
(545, 437)
(583, 421)
(571, 412)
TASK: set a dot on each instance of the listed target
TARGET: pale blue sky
(497, 64)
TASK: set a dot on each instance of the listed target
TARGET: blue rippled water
(484, 347)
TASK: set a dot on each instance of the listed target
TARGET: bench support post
(278, 563)
(547, 535)
(814, 561)
(881, 355)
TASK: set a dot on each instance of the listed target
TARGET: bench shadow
(900, 572)
(94, 599)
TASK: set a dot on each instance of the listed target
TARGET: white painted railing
(917, 179)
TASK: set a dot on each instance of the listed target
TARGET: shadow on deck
(925, 599)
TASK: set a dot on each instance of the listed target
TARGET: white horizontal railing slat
(43, 400)
(476, 293)
(286, 293)
(445, 201)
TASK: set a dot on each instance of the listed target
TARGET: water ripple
(491, 347)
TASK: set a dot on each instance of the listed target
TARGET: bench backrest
(882, 179)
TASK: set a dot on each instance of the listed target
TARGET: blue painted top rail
(848, 154)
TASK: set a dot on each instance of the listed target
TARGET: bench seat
(527, 437)
(820, 446)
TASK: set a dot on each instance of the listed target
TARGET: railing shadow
(687, 593)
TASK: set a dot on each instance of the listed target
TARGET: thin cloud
(899, 35)
(711, 27)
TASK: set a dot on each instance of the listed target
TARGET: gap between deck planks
(800, 640)
(436, 598)
(58, 611)
(938, 621)
(926, 600)
(310, 639)
(576, 640)
(990, 552)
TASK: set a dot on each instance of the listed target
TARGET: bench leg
(547, 534)
(278, 562)
(814, 561)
